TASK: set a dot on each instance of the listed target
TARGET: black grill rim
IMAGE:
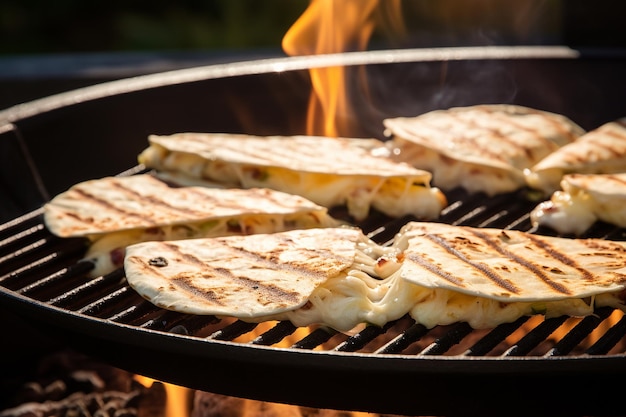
(191, 358)
(379, 382)
(382, 383)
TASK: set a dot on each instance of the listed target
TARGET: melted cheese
(565, 213)
(356, 296)
(349, 300)
(107, 251)
(395, 196)
(345, 302)
(342, 303)
(443, 307)
(576, 207)
(449, 173)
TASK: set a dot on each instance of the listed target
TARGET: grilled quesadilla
(439, 274)
(583, 200)
(490, 276)
(483, 148)
(114, 212)
(328, 171)
(246, 277)
(600, 151)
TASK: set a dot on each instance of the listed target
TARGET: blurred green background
(60, 26)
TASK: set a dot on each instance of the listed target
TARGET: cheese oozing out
(375, 292)
(107, 250)
(395, 195)
(443, 305)
(450, 173)
(566, 213)
(583, 200)
(358, 295)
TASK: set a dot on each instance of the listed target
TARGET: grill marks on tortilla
(114, 204)
(615, 150)
(498, 131)
(506, 120)
(527, 264)
(561, 257)
(617, 179)
(465, 141)
(558, 125)
(269, 260)
(145, 216)
(261, 151)
(597, 145)
(264, 291)
(106, 205)
(342, 156)
(482, 268)
(154, 201)
(492, 275)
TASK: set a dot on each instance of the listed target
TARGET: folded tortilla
(245, 277)
(114, 212)
(328, 171)
(583, 200)
(483, 148)
(599, 151)
(441, 274)
(437, 273)
(490, 276)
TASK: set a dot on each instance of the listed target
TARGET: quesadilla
(583, 200)
(441, 274)
(600, 151)
(490, 276)
(114, 212)
(483, 148)
(245, 277)
(328, 171)
(337, 277)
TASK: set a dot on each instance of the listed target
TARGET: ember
(67, 383)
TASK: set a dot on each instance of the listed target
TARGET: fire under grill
(550, 367)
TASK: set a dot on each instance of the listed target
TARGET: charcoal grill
(544, 367)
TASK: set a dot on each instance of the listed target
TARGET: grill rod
(49, 270)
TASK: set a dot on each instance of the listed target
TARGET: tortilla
(441, 274)
(483, 148)
(241, 276)
(114, 212)
(583, 200)
(438, 274)
(600, 151)
(328, 171)
(490, 276)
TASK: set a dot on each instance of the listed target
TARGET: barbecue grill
(545, 367)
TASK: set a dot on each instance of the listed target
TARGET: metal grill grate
(48, 270)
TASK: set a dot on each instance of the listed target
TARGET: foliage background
(58, 26)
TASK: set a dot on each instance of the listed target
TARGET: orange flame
(327, 27)
(177, 398)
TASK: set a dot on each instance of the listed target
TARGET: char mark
(273, 291)
(485, 270)
(524, 262)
